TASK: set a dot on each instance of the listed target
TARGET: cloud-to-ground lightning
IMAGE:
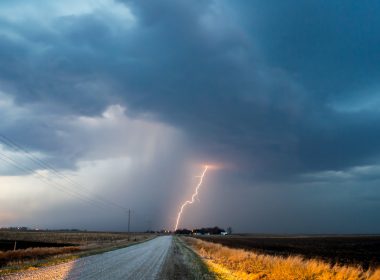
(195, 194)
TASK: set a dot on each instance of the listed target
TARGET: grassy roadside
(213, 269)
(196, 267)
(36, 263)
(231, 264)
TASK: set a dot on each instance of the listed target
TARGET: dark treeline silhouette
(201, 231)
(183, 231)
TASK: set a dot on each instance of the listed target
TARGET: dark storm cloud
(275, 89)
(250, 81)
(262, 88)
(330, 44)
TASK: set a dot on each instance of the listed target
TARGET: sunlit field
(363, 250)
(229, 263)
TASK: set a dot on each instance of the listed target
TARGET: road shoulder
(183, 263)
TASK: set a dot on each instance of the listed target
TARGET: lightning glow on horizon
(195, 194)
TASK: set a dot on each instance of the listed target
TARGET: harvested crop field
(72, 237)
(344, 250)
(8, 245)
(237, 264)
(41, 248)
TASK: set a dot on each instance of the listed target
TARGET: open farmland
(41, 248)
(238, 264)
(77, 237)
(344, 250)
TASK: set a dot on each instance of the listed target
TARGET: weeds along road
(141, 261)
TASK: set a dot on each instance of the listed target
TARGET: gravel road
(141, 261)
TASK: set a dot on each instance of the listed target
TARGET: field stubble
(228, 263)
(83, 244)
(344, 250)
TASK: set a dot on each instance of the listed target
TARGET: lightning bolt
(195, 194)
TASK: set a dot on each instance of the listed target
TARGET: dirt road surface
(141, 261)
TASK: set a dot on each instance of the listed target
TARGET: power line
(45, 165)
(48, 181)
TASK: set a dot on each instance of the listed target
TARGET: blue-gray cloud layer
(277, 89)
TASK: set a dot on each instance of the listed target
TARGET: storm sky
(130, 99)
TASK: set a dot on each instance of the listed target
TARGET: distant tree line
(15, 229)
(34, 229)
(203, 231)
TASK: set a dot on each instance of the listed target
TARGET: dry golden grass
(85, 243)
(34, 253)
(66, 237)
(229, 263)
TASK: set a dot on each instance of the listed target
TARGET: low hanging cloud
(116, 157)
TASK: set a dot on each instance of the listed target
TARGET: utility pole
(129, 220)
